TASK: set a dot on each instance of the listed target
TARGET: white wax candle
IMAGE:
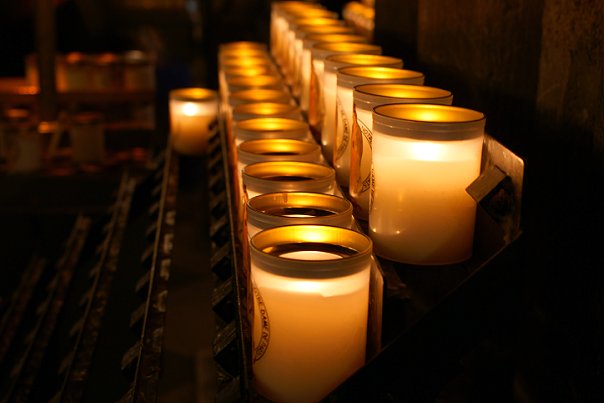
(420, 212)
(191, 123)
(309, 334)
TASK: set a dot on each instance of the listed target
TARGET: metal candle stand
(430, 315)
(89, 326)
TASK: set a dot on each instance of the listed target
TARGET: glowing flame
(427, 151)
(190, 109)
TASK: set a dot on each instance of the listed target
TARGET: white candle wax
(191, 123)
(317, 331)
(420, 212)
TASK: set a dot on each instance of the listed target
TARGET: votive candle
(330, 99)
(311, 297)
(424, 157)
(365, 98)
(192, 118)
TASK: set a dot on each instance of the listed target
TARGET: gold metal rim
(264, 146)
(261, 170)
(267, 202)
(334, 62)
(359, 245)
(271, 125)
(402, 91)
(428, 113)
(193, 94)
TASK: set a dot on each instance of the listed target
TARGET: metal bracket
(498, 189)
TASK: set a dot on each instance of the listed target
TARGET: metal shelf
(88, 326)
(431, 315)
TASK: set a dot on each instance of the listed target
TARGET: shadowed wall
(535, 68)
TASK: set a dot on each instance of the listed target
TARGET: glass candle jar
(193, 113)
(240, 83)
(311, 297)
(365, 98)
(23, 147)
(294, 26)
(270, 128)
(138, 71)
(424, 157)
(320, 52)
(284, 36)
(287, 176)
(301, 33)
(248, 59)
(241, 47)
(263, 110)
(105, 72)
(242, 67)
(297, 208)
(253, 96)
(236, 60)
(292, 13)
(361, 16)
(74, 72)
(87, 137)
(252, 151)
(347, 79)
(306, 68)
(259, 95)
(266, 110)
(278, 11)
(330, 85)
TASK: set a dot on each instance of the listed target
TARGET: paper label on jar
(365, 156)
(314, 115)
(342, 131)
(262, 328)
(372, 185)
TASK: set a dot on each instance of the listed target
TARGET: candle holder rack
(430, 316)
(89, 326)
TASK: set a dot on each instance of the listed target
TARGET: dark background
(536, 69)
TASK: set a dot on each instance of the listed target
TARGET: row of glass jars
(306, 264)
(298, 126)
